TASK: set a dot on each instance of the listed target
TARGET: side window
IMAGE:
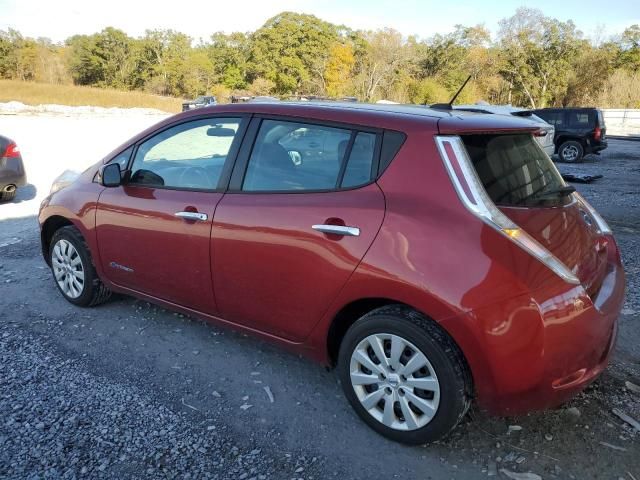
(579, 119)
(291, 156)
(359, 165)
(189, 155)
(554, 118)
(122, 159)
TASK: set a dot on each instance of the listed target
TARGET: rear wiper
(556, 192)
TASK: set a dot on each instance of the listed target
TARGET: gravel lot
(130, 390)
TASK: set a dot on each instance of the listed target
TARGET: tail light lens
(597, 134)
(540, 133)
(12, 151)
(475, 198)
(603, 227)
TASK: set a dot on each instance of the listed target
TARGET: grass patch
(32, 93)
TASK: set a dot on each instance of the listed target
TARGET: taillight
(601, 225)
(597, 133)
(12, 151)
(540, 133)
(473, 195)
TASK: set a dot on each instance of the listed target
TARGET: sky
(59, 19)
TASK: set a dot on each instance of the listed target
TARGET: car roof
(400, 117)
(388, 116)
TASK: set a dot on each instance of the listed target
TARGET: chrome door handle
(338, 230)
(201, 217)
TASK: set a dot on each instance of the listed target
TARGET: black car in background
(203, 101)
(579, 131)
(12, 174)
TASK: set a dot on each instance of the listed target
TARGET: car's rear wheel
(571, 151)
(73, 269)
(404, 375)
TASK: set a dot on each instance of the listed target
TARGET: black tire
(571, 152)
(93, 291)
(8, 196)
(446, 358)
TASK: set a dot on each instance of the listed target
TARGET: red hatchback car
(433, 257)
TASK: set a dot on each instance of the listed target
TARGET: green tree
(629, 56)
(18, 56)
(105, 59)
(536, 54)
(228, 54)
(379, 58)
(164, 60)
(285, 49)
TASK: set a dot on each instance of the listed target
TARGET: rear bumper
(595, 147)
(543, 349)
(12, 172)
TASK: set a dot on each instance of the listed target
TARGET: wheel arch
(356, 309)
(566, 138)
(346, 317)
(49, 227)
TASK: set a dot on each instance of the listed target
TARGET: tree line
(533, 61)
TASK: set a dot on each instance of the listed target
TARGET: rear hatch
(526, 186)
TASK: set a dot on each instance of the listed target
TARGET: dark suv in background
(579, 131)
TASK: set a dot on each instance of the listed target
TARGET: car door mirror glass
(111, 176)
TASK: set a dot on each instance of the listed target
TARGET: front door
(298, 223)
(154, 231)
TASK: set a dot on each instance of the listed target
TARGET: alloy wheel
(68, 268)
(570, 153)
(394, 381)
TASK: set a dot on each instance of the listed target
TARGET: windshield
(514, 170)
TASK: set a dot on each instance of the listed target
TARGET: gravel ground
(130, 390)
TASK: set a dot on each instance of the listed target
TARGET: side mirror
(111, 176)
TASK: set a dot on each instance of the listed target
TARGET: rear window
(513, 169)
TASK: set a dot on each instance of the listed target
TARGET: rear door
(298, 218)
(154, 231)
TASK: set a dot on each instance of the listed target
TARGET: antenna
(448, 106)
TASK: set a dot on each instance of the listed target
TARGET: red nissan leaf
(433, 257)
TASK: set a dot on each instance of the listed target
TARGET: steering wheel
(198, 174)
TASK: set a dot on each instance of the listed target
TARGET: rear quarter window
(580, 119)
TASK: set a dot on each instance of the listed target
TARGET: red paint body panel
(272, 271)
(145, 247)
(530, 339)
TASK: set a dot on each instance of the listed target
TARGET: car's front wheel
(73, 269)
(404, 375)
